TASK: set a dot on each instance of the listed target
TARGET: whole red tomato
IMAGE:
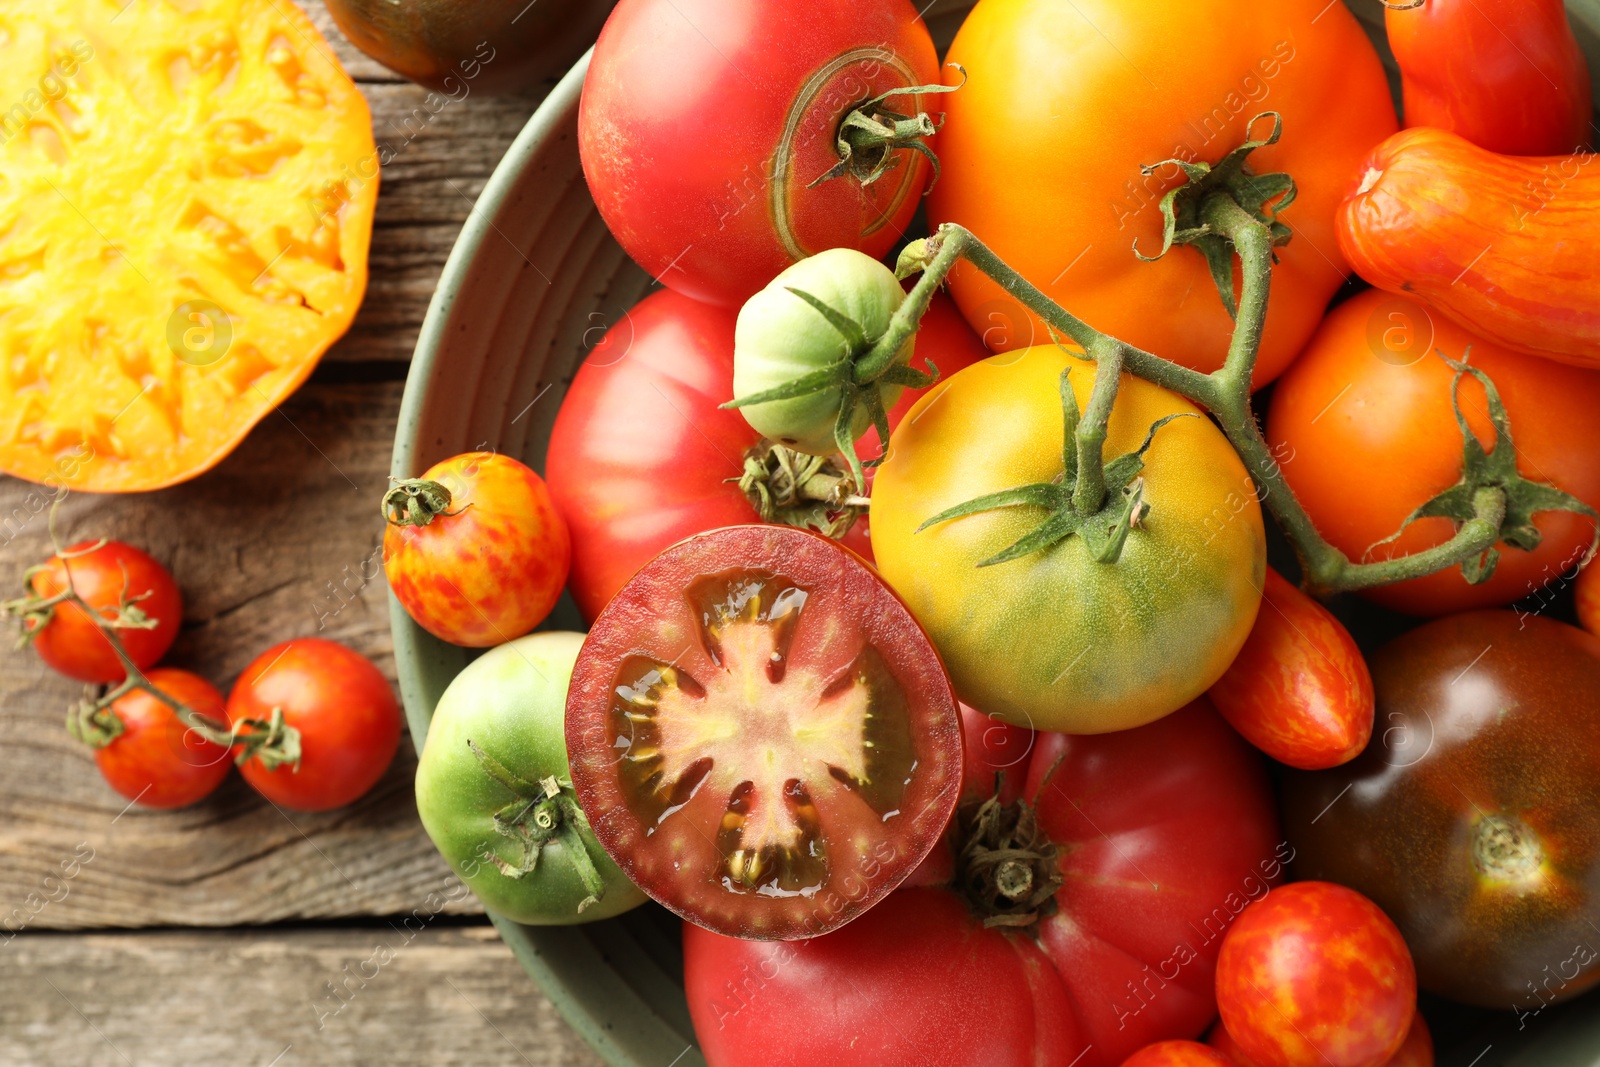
(1160, 836)
(1507, 75)
(1298, 690)
(706, 124)
(1315, 975)
(156, 760)
(1064, 104)
(642, 454)
(475, 550)
(1417, 1051)
(1177, 1054)
(106, 574)
(1364, 423)
(1473, 818)
(346, 714)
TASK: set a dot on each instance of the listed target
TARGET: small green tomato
(495, 794)
(781, 337)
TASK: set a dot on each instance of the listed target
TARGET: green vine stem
(1228, 206)
(93, 720)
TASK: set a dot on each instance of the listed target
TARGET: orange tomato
(1063, 104)
(1298, 690)
(1503, 245)
(1177, 1054)
(1364, 424)
(1416, 1052)
(1588, 598)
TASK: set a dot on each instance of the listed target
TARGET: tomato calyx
(1188, 210)
(871, 134)
(798, 489)
(271, 740)
(416, 502)
(1102, 515)
(1490, 483)
(1007, 867)
(541, 813)
(34, 611)
(1506, 849)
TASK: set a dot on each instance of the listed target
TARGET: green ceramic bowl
(533, 280)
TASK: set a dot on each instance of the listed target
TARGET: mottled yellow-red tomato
(1316, 975)
(1417, 1051)
(487, 568)
(1177, 1054)
(1298, 690)
(1062, 105)
(1055, 640)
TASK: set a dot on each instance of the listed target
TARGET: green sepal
(1106, 531)
(1263, 196)
(1493, 468)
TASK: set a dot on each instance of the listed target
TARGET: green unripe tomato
(511, 703)
(780, 337)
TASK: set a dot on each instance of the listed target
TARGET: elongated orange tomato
(1504, 245)
(1299, 689)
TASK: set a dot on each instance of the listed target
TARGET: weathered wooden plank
(421, 993)
(281, 540)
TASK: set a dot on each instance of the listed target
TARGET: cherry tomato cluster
(311, 724)
(935, 672)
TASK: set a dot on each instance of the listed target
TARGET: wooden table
(232, 932)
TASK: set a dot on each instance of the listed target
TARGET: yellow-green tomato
(1056, 640)
(780, 337)
(497, 738)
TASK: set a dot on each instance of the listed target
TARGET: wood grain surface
(436, 995)
(278, 541)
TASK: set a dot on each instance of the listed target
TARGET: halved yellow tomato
(186, 200)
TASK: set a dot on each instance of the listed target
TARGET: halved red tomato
(761, 735)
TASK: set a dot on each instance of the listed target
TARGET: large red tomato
(1365, 427)
(1160, 836)
(642, 455)
(704, 124)
(105, 574)
(1064, 103)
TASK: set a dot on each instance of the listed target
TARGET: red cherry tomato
(112, 573)
(348, 718)
(156, 760)
(1507, 75)
(704, 122)
(1299, 689)
(1316, 975)
(1162, 834)
(491, 564)
(1177, 1054)
(642, 455)
(1416, 1052)
(761, 735)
